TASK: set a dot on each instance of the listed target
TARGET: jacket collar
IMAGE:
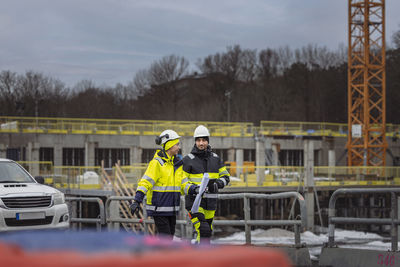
(201, 153)
(164, 156)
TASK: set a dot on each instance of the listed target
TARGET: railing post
(297, 235)
(73, 212)
(309, 183)
(146, 230)
(114, 213)
(398, 213)
(260, 160)
(239, 162)
(394, 215)
(331, 214)
(247, 227)
(182, 215)
(73, 202)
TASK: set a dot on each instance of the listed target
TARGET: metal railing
(10, 124)
(393, 221)
(45, 167)
(283, 176)
(315, 129)
(247, 222)
(118, 127)
(73, 177)
(303, 128)
(114, 220)
(101, 218)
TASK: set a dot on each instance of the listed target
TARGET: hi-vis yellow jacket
(161, 183)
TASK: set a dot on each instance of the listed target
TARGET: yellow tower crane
(366, 144)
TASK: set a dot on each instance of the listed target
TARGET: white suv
(27, 204)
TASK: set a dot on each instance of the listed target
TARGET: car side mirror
(39, 179)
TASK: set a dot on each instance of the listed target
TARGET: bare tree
(141, 82)
(248, 65)
(268, 64)
(84, 85)
(231, 63)
(396, 39)
(8, 98)
(31, 90)
(286, 58)
(314, 56)
(168, 69)
(41, 95)
(235, 63)
(31, 94)
(235, 66)
(161, 78)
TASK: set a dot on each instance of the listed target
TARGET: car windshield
(11, 172)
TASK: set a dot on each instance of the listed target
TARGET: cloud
(234, 12)
(99, 50)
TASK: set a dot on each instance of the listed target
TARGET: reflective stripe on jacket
(161, 183)
(195, 164)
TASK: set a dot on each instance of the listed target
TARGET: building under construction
(358, 161)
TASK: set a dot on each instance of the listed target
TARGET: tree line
(304, 84)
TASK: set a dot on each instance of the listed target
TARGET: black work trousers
(165, 225)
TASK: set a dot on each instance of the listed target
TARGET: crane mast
(366, 144)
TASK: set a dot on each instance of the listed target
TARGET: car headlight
(2, 204)
(58, 198)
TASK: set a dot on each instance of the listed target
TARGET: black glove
(134, 207)
(220, 183)
(194, 189)
(212, 188)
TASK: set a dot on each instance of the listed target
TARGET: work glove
(134, 207)
(194, 189)
(220, 183)
(212, 188)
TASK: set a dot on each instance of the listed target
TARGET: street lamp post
(228, 95)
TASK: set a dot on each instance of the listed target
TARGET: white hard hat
(166, 136)
(201, 131)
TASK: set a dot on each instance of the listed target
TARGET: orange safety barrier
(224, 256)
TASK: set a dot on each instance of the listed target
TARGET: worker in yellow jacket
(161, 183)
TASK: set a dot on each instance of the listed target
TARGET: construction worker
(202, 160)
(161, 183)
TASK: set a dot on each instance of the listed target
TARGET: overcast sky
(107, 41)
